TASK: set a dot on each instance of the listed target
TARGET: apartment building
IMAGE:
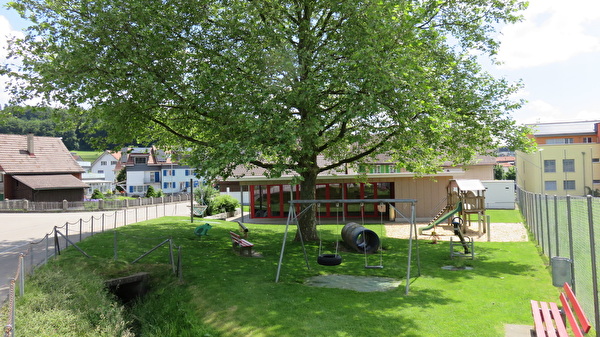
(567, 161)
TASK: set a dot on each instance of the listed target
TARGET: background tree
(278, 84)
(121, 178)
(498, 172)
(511, 174)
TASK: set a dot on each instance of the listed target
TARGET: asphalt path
(19, 230)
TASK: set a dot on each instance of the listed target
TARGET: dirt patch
(356, 283)
(499, 232)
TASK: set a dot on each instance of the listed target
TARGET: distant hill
(50, 122)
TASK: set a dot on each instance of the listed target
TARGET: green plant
(150, 192)
(97, 194)
(204, 194)
(224, 202)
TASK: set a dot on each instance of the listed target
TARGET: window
(560, 141)
(587, 139)
(593, 182)
(595, 160)
(377, 169)
(113, 162)
(550, 185)
(103, 162)
(568, 165)
(569, 185)
(100, 171)
(549, 165)
(140, 160)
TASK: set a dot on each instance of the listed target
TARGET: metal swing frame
(293, 218)
(381, 210)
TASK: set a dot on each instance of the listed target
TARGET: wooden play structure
(465, 199)
(471, 194)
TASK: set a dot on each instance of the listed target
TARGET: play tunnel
(360, 238)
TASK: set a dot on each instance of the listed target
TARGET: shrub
(204, 195)
(97, 195)
(224, 202)
(150, 193)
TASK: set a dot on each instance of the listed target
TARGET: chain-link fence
(566, 227)
(18, 261)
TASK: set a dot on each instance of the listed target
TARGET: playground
(225, 293)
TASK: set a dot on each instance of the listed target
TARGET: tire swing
(328, 259)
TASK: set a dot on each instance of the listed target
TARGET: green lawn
(227, 295)
(89, 155)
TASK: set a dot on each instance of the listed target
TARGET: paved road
(19, 230)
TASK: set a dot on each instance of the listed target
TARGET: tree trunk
(307, 221)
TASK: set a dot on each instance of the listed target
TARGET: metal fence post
(547, 225)
(22, 275)
(80, 227)
(556, 224)
(66, 232)
(540, 237)
(593, 256)
(570, 229)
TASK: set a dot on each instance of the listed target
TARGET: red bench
(243, 246)
(549, 320)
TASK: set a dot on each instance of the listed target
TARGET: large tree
(275, 84)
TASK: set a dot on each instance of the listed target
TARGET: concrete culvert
(360, 238)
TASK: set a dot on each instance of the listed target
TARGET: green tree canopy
(275, 84)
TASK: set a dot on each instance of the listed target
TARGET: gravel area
(499, 232)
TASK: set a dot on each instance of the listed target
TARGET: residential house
(567, 161)
(269, 197)
(148, 166)
(106, 164)
(39, 169)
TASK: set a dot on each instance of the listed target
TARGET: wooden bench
(243, 229)
(549, 320)
(238, 244)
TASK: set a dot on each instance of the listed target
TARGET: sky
(554, 51)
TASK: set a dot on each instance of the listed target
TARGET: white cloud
(532, 111)
(552, 31)
(6, 32)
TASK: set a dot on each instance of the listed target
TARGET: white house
(106, 164)
(148, 166)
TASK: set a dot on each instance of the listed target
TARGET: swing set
(364, 240)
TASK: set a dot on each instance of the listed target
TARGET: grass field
(227, 295)
(89, 155)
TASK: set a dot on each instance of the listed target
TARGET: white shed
(500, 194)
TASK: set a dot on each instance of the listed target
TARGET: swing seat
(329, 259)
(373, 267)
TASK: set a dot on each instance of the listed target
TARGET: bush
(224, 202)
(97, 195)
(150, 193)
(204, 195)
